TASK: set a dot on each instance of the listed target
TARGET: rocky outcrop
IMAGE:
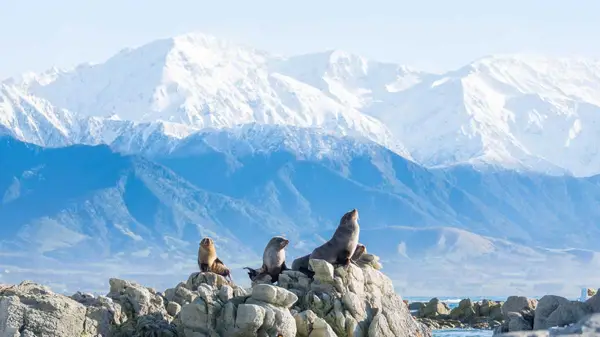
(550, 312)
(518, 304)
(437, 315)
(434, 309)
(556, 311)
(588, 326)
(357, 301)
(214, 307)
(29, 309)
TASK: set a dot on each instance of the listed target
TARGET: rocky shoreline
(358, 301)
(517, 316)
(436, 314)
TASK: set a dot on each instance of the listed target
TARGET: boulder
(518, 304)
(556, 311)
(516, 322)
(415, 306)
(464, 312)
(594, 303)
(308, 324)
(491, 310)
(434, 308)
(588, 326)
(355, 301)
(136, 300)
(29, 309)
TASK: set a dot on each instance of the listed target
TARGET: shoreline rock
(516, 314)
(549, 313)
(484, 315)
(357, 301)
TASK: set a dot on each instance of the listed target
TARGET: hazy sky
(431, 35)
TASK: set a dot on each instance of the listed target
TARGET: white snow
(518, 111)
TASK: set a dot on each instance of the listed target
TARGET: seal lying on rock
(301, 264)
(340, 248)
(273, 260)
(208, 260)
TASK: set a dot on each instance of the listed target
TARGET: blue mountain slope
(389, 190)
(104, 214)
(90, 209)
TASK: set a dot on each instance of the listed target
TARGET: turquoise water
(462, 333)
(453, 302)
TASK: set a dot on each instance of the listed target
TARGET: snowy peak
(350, 79)
(201, 81)
(520, 112)
(517, 111)
(574, 78)
(29, 117)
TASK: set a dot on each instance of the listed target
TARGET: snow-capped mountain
(515, 111)
(200, 81)
(37, 121)
(33, 119)
(518, 111)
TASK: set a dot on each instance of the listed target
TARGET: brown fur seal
(340, 248)
(273, 259)
(301, 264)
(359, 251)
(208, 260)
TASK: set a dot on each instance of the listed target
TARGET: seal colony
(342, 249)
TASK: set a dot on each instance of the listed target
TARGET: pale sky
(431, 35)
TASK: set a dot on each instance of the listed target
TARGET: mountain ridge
(520, 111)
(114, 214)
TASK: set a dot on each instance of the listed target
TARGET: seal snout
(284, 243)
(354, 214)
(205, 242)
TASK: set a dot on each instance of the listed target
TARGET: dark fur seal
(273, 260)
(340, 248)
(301, 264)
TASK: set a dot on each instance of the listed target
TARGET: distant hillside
(71, 213)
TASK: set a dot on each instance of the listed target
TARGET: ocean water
(462, 333)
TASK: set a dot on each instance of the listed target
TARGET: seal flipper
(219, 268)
(204, 267)
(344, 258)
(284, 267)
(307, 272)
(252, 273)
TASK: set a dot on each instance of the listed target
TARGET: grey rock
(518, 304)
(556, 311)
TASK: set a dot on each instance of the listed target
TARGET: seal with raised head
(273, 259)
(301, 264)
(208, 260)
(340, 248)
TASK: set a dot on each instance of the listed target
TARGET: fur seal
(342, 245)
(359, 251)
(301, 264)
(208, 260)
(273, 260)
